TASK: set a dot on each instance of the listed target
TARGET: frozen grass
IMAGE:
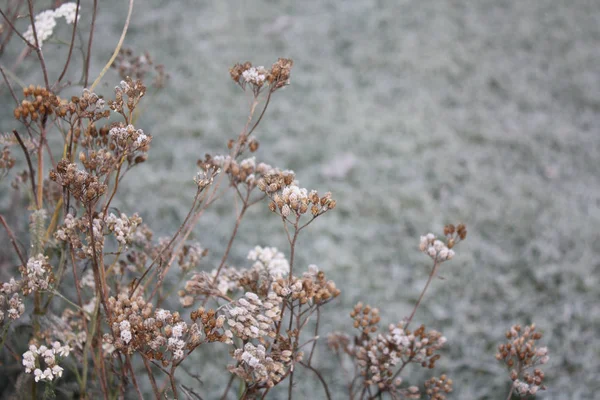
(414, 114)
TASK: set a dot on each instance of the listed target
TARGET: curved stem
(431, 275)
(64, 71)
(37, 47)
(116, 52)
(327, 394)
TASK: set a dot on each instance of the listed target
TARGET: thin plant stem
(431, 275)
(27, 42)
(319, 376)
(12, 92)
(37, 47)
(29, 165)
(88, 55)
(64, 71)
(116, 52)
(316, 334)
(232, 238)
(133, 377)
(13, 240)
(512, 389)
(229, 383)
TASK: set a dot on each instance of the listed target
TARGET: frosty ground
(414, 114)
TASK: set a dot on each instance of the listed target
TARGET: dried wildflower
(46, 21)
(83, 186)
(437, 388)
(51, 356)
(38, 103)
(11, 305)
(253, 318)
(123, 227)
(276, 77)
(6, 162)
(128, 140)
(288, 198)
(521, 354)
(127, 96)
(434, 248)
(258, 367)
(379, 356)
(130, 65)
(190, 256)
(270, 260)
(206, 175)
(135, 327)
(313, 288)
(88, 106)
(37, 274)
(269, 265)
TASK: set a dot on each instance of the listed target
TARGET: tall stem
(431, 275)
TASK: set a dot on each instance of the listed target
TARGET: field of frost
(413, 114)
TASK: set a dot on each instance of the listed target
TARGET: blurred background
(413, 114)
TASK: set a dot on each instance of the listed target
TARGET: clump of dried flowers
(106, 275)
(521, 356)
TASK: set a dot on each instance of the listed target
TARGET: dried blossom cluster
(276, 77)
(313, 288)
(437, 249)
(83, 186)
(11, 304)
(260, 368)
(124, 228)
(130, 65)
(287, 198)
(49, 370)
(190, 256)
(128, 139)
(521, 354)
(38, 103)
(136, 327)
(269, 264)
(74, 229)
(45, 22)
(127, 96)
(87, 106)
(246, 172)
(380, 356)
(252, 318)
(37, 275)
(6, 161)
(437, 388)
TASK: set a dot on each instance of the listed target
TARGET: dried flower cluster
(259, 368)
(49, 370)
(156, 334)
(6, 162)
(276, 77)
(521, 354)
(269, 264)
(437, 388)
(39, 102)
(11, 304)
(137, 67)
(438, 250)
(37, 275)
(127, 96)
(45, 22)
(245, 172)
(83, 186)
(313, 288)
(287, 198)
(379, 355)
